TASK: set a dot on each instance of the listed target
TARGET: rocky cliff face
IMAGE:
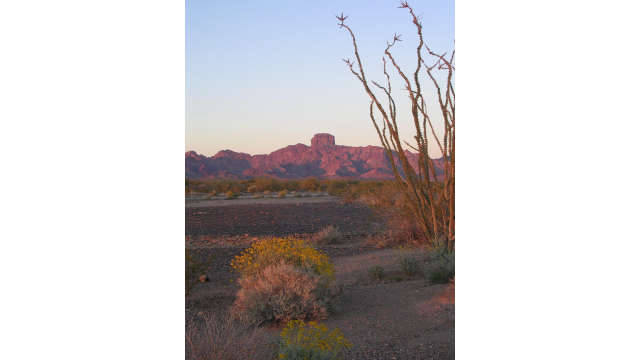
(323, 159)
(323, 141)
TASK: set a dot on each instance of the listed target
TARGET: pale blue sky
(261, 75)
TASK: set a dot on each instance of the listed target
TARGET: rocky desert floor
(398, 317)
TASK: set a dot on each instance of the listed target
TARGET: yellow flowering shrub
(296, 252)
(283, 279)
(311, 341)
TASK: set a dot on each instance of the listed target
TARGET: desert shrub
(210, 337)
(282, 193)
(281, 293)
(267, 192)
(202, 187)
(402, 227)
(230, 195)
(291, 185)
(390, 205)
(222, 186)
(300, 341)
(409, 265)
(252, 188)
(296, 252)
(337, 187)
(310, 184)
(376, 272)
(211, 195)
(270, 184)
(283, 279)
(398, 234)
(378, 240)
(237, 188)
(442, 267)
(328, 235)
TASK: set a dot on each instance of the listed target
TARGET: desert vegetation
(283, 279)
(272, 185)
(410, 265)
(441, 265)
(212, 337)
(328, 235)
(376, 272)
(374, 259)
(431, 201)
(300, 340)
(194, 269)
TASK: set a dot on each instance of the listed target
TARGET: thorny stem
(430, 196)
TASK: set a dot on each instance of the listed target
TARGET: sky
(261, 75)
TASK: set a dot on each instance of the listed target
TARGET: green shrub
(300, 341)
(376, 272)
(441, 266)
(409, 265)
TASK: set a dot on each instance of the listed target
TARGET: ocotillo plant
(430, 198)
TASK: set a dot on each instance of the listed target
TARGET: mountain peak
(323, 140)
(323, 160)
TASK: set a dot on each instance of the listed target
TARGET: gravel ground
(397, 318)
(279, 219)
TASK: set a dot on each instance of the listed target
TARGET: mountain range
(323, 159)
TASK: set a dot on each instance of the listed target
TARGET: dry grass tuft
(328, 235)
(376, 272)
(211, 337)
(410, 265)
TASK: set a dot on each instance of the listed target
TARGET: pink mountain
(323, 159)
